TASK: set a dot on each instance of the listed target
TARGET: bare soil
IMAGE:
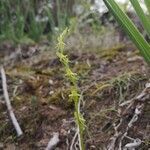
(39, 93)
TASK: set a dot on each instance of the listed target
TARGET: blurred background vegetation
(33, 20)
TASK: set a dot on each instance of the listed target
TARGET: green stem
(80, 134)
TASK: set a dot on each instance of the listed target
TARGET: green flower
(72, 76)
(61, 45)
(63, 58)
(74, 94)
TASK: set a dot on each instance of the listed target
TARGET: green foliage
(72, 77)
(12, 21)
(130, 28)
(147, 3)
(144, 19)
(35, 28)
(31, 19)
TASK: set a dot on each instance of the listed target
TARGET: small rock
(51, 82)
(51, 92)
(93, 147)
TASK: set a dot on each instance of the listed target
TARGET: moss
(109, 54)
(21, 71)
(82, 68)
(61, 97)
(26, 41)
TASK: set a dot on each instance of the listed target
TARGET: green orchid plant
(73, 78)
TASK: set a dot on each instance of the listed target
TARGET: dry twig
(8, 104)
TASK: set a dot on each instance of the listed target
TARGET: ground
(39, 94)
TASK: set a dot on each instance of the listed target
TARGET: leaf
(147, 3)
(129, 28)
(143, 18)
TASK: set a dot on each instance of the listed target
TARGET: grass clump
(75, 95)
(123, 86)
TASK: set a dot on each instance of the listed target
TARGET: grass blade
(147, 3)
(143, 18)
(129, 28)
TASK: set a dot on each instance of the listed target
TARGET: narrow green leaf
(129, 28)
(147, 3)
(143, 18)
